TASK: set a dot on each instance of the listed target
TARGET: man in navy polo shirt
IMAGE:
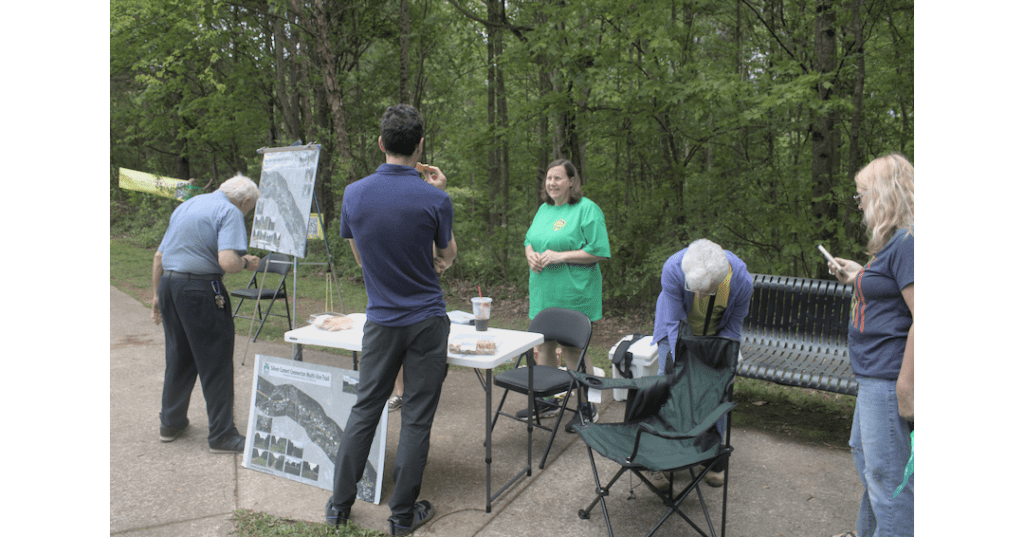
(205, 238)
(400, 230)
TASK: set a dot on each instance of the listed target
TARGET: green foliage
(690, 120)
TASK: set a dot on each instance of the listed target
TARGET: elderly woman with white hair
(705, 291)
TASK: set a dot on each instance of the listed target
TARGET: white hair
(705, 266)
(240, 187)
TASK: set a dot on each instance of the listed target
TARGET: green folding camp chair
(669, 424)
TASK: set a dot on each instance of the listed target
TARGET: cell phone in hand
(828, 256)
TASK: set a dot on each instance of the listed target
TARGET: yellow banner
(316, 231)
(154, 184)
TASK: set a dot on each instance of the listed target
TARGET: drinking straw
(479, 290)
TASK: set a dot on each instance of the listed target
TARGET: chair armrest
(696, 430)
(603, 383)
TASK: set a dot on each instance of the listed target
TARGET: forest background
(740, 121)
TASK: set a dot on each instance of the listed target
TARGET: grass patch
(253, 524)
(811, 416)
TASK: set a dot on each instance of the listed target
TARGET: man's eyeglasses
(858, 197)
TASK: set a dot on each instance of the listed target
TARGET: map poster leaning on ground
(296, 417)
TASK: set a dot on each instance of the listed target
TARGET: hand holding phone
(828, 256)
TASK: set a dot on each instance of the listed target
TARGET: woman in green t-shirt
(563, 246)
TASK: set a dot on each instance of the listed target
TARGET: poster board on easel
(281, 220)
(296, 416)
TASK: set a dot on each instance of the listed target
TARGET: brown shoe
(658, 479)
(715, 479)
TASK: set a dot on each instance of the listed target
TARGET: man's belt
(190, 276)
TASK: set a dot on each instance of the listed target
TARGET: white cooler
(644, 364)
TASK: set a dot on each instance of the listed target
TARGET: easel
(333, 281)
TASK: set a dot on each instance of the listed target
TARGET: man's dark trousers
(200, 340)
(423, 349)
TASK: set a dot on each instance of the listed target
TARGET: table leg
(297, 352)
(528, 470)
(487, 435)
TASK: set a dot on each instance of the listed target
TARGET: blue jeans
(880, 443)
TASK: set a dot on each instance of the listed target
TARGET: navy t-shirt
(880, 319)
(395, 217)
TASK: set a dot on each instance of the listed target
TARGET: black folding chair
(568, 327)
(277, 264)
(669, 425)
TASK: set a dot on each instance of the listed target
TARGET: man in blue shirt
(205, 238)
(400, 230)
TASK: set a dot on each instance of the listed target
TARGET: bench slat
(796, 333)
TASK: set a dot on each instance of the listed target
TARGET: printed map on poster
(281, 219)
(296, 417)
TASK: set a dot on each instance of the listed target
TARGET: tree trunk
(493, 153)
(326, 58)
(824, 136)
(289, 110)
(856, 157)
(543, 129)
(403, 56)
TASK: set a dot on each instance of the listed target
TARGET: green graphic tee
(567, 285)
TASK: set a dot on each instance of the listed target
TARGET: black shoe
(589, 411)
(422, 512)
(169, 434)
(335, 517)
(235, 444)
(547, 406)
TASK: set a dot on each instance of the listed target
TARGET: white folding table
(510, 344)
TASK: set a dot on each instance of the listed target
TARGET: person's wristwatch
(246, 266)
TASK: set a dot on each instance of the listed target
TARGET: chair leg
(288, 312)
(694, 486)
(554, 429)
(497, 413)
(725, 495)
(263, 320)
(584, 514)
(238, 307)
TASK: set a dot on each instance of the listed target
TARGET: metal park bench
(796, 334)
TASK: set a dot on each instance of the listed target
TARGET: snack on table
(333, 323)
(470, 346)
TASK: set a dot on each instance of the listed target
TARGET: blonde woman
(881, 340)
